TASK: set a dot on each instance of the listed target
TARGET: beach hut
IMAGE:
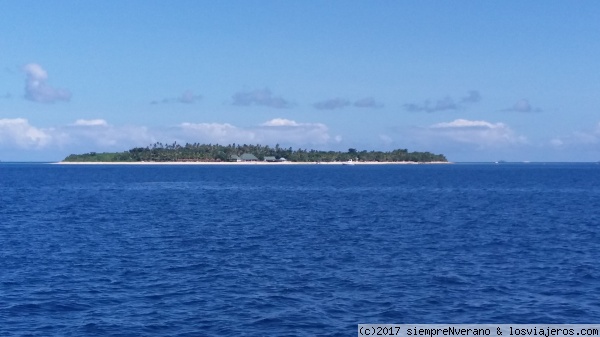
(248, 157)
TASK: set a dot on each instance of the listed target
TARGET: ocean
(294, 250)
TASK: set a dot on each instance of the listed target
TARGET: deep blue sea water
(294, 250)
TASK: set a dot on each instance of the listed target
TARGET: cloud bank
(480, 133)
(339, 103)
(260, 97)
(456, 138)
(331, 104)
(368, 102)
(461, 140)
(92, 134)
(19, 133)
(187, 97)
(589, 139)
(85, 135)
(444, 104)
(274, 131)
(99, 135)
(36, 88)
(523, 105)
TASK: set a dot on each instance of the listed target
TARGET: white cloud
(36, 88)
(90, 122)
(18, 132)
(283, 130)
(95, 134)
(580, 138)
(580, 145)
(214, 133)
(101, 136)
(586, 137)
(35, 72)
(481, 133)
(280, 122)
(556, 142)
(463, 123)
(278, 130)
(385, 139)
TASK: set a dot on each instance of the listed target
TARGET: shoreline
(253, 163)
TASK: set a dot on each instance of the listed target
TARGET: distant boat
(349, 162)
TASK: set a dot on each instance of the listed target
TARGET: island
(236, 153)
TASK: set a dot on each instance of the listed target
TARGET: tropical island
(215, 153)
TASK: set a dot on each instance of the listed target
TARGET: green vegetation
(159, 152)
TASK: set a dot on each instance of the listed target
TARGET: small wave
(451, 279)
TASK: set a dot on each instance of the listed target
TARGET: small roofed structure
(270, 159)
(235, 157)
(281, 159)
(248, 157)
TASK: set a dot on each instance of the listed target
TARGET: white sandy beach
(250, 163)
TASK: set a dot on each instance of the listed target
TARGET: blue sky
(474, 80)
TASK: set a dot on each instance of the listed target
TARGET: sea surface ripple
(294, 250)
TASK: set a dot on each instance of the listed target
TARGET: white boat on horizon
(349, 162)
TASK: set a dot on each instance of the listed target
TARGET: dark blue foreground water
(294, 250)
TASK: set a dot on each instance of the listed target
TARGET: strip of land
(251, 163)
(215, 154)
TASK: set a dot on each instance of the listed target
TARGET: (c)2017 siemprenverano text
(468, 330)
